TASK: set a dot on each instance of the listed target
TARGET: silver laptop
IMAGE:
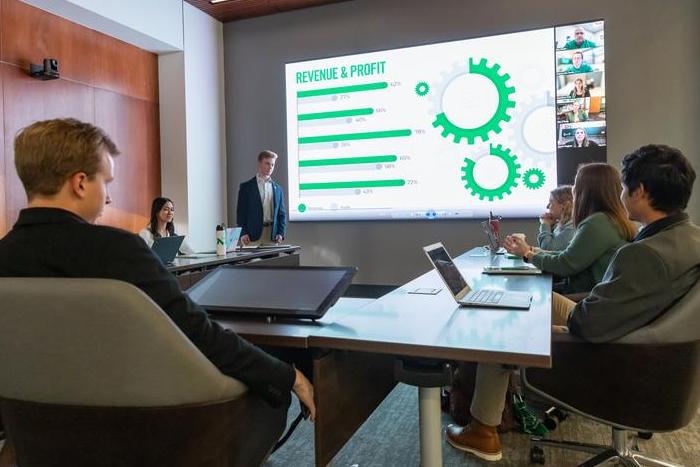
(232, 236)
(464, 294)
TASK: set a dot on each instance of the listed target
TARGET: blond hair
(563, 195)
(49, 152)
(266, 154)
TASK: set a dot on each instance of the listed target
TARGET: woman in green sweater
(601, 226)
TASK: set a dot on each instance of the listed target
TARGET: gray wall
(652, 56)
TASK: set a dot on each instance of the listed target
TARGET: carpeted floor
(390, 438)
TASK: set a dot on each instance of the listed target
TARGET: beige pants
(264, 237)
(492, 379)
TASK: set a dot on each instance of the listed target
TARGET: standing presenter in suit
(260, 211)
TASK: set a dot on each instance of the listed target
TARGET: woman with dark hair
(581, 139)
(161, 224)
(601, 226)
(557, 224)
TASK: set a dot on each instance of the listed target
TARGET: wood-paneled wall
(104, 81)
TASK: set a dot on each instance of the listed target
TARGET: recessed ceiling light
(214, 2)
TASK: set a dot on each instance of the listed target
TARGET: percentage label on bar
(360, 119)
(419, 132)
(404, 158)
(389, 166)
(344, 145)
(395, 84)
(344, 97)
(411, 182)
(367, 191)
(379, 110)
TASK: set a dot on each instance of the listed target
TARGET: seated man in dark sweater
(66, 167)
(644, 279)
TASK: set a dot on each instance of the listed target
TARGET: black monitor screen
(305, 292)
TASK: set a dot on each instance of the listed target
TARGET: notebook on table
(465, 295)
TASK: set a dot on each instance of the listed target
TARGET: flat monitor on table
(294, 292)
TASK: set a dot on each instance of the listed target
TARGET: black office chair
(648, 381)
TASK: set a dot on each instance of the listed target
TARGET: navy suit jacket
(249, 211)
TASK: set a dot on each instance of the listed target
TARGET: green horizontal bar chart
(343, 89)
(347, 161)
(357, 184)
(354, 136)
(336, 114)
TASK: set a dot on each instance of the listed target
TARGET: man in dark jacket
(260, 211)
(66, 167)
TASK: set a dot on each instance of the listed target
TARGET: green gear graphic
(494, 123)
(422, 88)
(498, 192)
(535, 174)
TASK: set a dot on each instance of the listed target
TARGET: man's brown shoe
(477, 439)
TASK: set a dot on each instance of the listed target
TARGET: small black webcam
(48, 71)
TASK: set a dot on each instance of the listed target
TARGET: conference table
(354, 349)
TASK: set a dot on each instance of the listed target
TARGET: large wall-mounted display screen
(449, 130)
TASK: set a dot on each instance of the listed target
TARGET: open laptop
(167, 247)
(457, 285)
(232, 236)
(494, 238)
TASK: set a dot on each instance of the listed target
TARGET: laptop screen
(446, 268)
(492, 236)
(166, 247)
(232, 236)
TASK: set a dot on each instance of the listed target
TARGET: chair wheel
(536, 455)
(645, 434)
(553, 417)
(562, 414)
(550, 423)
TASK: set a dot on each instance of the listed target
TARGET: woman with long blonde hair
(557, 224)
(601, 225)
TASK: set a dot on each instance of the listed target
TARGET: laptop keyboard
(486, 296)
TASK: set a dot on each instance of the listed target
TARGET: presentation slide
(448, 130)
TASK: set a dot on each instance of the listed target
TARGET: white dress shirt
(265, 189)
